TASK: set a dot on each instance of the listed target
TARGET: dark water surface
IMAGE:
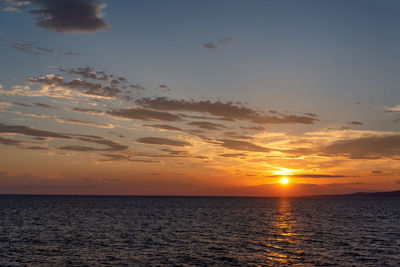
(198, 231)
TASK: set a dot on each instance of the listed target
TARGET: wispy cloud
(241, 145)
(144, 114)
(162, 141)
(30, 48)
(372, 147)
(217, 44)
(225, 110)
(30, 131)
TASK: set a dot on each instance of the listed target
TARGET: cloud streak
(226, 110)
(162, 141)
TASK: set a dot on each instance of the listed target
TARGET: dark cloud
(220, 109)
(9, 142)
(372, 147)
(79, 148)
(164, 127)
(87, 72)
(144, 114)
(310, 114)
(89, 110)
(62, 120)
(233, 155)
(306, 175)
(355, 123)
(88, 81)
(376, 172)
(162, 141)
(210, 45)
(204, 117)
(241, 145)
(125, 158)
(235, 135)
(29, 131)
(85, 87)
(25, 105)
(64, 16)
(25, 130)
(42, 105)
(207, 125)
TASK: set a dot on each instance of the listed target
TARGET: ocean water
(198, 231)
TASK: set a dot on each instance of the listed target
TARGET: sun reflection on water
(283, 243)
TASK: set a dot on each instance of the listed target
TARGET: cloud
(25, 105)
(207, 125)
(42, 105)
(64, 16)
(32, 49)
(255, 128)
(89, 73)
(393, 109)
(62, 120)
(162, 141)
(25, 130)
(164, 127)
(110, 157)
(220, 109)
(85, 87)
(89, 110)
(9, 142)
(306, 175)
(232, 155)
(373, 147)
(310, 114)
(210, 45)
(241, 145)
(144, 114)
(29, 131)
(235, 135)
(355, 123)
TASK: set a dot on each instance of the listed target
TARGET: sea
(198, 231)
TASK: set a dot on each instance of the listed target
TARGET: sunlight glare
(284, 180)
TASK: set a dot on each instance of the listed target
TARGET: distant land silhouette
(367, 194)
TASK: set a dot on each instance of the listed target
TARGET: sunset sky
(199, 97)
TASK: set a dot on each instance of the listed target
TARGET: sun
(284, 180)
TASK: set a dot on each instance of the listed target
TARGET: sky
(199, 97)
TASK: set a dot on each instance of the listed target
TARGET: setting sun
(284, 180)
